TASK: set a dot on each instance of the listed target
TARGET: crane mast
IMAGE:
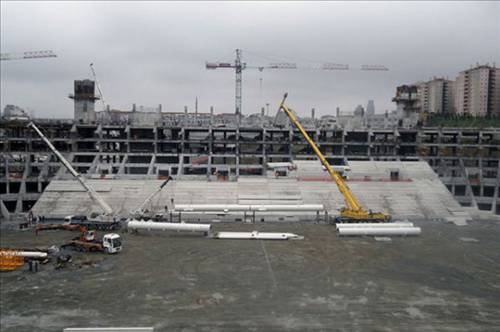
(92, 193)
(353, 212)
(239, 68)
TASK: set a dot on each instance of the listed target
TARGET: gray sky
(152, 53)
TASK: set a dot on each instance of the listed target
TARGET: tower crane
(27, 55)
(353, 212)
(239, 66)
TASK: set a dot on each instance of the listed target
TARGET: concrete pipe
(167, 226)
(372, 231)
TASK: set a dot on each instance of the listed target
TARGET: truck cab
(112, 243)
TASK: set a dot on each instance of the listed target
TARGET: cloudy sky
(154, 53)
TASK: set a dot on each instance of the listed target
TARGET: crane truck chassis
(87, 241)
(110, 243)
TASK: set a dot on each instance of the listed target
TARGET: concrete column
(344, 133)
(93, 166)
(3, 211)
(237, 141)
(369, 142)
(155, 143)
(73, 138)
(7, 176)
(183, 139)
(180, 170)
(27, 164)
(496, 195)
(20, 196)
(151, 165)
(209, 152)
(99, 135)
(127, 131)
(121, 169)
(468, 187)
(264, 146)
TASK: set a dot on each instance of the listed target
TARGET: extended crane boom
(141, 209)
(92, 193)
(353, 212)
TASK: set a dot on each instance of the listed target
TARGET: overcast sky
(154, 53)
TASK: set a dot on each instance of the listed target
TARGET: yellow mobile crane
(353, 212)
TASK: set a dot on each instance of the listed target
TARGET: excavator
(353, 212)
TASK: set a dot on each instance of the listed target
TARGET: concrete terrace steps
(424, 197)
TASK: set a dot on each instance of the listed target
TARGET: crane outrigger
(353, 212)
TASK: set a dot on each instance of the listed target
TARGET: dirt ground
(447, 279)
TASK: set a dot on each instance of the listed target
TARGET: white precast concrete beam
(376, 225)
(373, 231)
(251, 208)
(256, 236)
(167, 226)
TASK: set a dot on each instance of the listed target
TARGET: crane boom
(353, 212)
(92, 193)
(140, 210)
(27, 55)
(98, 86)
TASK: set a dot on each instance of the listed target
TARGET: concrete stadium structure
(416, 194)
(466, 160)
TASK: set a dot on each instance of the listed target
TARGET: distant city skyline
(154, 53)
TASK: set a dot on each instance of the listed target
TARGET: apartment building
(477, 91)
(436, 96)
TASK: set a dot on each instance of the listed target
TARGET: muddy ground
(447, 279)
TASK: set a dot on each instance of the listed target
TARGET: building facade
(474, 92)
(477, 91)
(436, 96)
